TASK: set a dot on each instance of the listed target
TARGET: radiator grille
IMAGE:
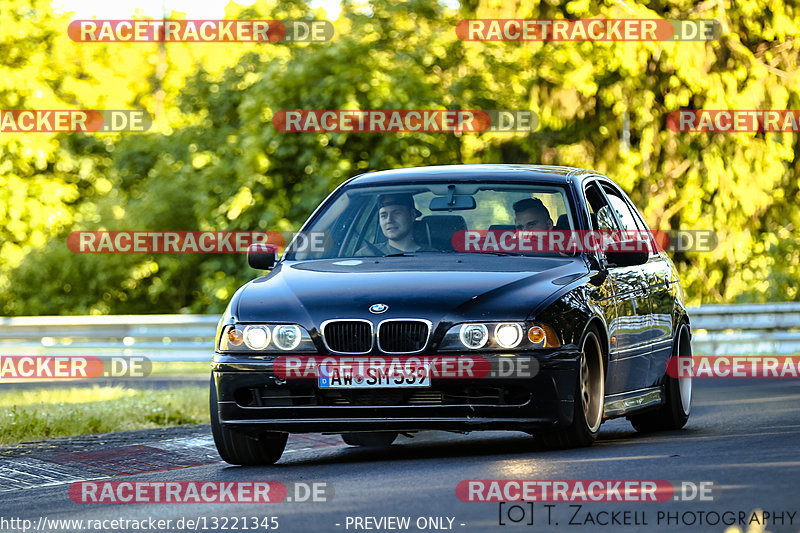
(348, 336)
(403, 336)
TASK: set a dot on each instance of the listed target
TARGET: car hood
(437, 288)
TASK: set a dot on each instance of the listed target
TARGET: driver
(396, 217)
(531, 214)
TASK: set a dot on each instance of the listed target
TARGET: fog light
(474, 336)
(508, 335)
(286, 337)
(235, 337)
(256, 337)
(536, 335)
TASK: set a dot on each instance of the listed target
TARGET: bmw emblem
(378, 308)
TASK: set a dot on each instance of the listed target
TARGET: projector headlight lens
(286, 337)
(256, 337)
(508, 335)
(474, 336)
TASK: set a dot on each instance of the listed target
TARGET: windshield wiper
(415, 253)
(486, 252)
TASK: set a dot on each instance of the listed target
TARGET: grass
(162, 368)
(49, 412)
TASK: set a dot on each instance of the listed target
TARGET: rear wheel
(243, 448)
(677, 391)
(589, 397)
(373, 439)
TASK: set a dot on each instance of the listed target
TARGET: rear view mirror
(452, 203)
(262, 256)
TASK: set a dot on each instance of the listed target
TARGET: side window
(630, 220)
(599, 210)
(623, 212)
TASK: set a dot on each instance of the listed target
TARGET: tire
(370, 440)
(243, 448)
(677, 391)
(589, 399)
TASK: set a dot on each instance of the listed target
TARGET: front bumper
(251, 397)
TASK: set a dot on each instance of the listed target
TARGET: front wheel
(677, 391)
(589, 398)
(242, 448)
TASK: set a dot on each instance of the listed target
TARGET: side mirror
(262, 256)
(628, 253)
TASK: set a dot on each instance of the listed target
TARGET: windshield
(378, 221)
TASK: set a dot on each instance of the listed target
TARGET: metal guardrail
(746, 329)
(752, 329)
(157, 337)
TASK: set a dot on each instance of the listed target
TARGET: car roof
(467, 173)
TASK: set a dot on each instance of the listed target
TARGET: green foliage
(213, 160)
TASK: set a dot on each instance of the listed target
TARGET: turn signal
(536, 335)
(235, 337)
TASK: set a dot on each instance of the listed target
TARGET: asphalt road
(743, 436)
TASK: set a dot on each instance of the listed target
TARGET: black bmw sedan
(431, 301)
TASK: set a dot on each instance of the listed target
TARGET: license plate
(353, 377)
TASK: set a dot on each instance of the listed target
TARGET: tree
(214, 161)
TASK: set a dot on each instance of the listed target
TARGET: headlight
(473, 336)
(286, 337)
(256, 337)
(500, 336)
(273, 338)
(508, 335)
